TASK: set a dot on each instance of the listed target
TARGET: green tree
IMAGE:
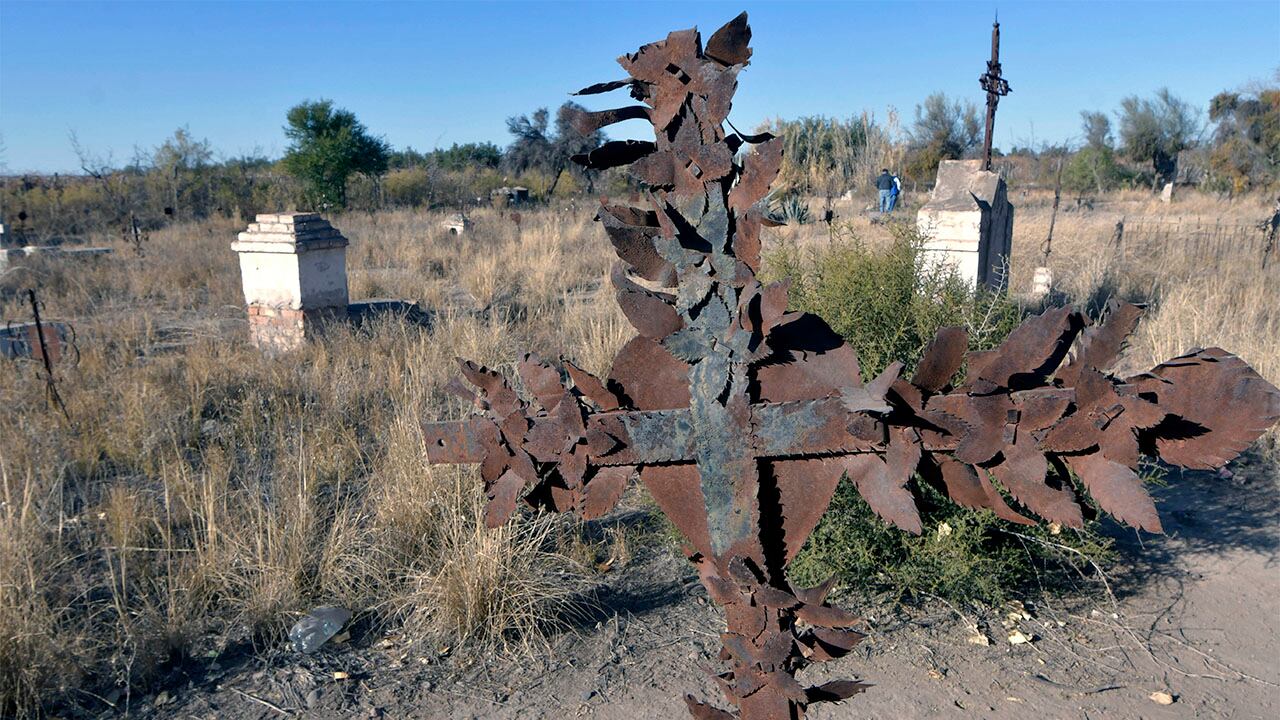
(469, 155)
(1246, 138)
(943, 130)
(1097, 129)
(536, 147)
(1155, 130)
(328, 146)
(531, 146)
(1094, 166)
(183, 165)
(406, 158)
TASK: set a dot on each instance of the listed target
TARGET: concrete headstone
(1041, 282)
(294, 270)
(968, 222)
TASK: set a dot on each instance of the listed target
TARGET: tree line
(334, 162)
(1152, 141)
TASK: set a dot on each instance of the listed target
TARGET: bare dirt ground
(1194, 615)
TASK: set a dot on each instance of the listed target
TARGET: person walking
(894, 193)
(884, 184)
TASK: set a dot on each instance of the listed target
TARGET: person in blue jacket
(884, 184)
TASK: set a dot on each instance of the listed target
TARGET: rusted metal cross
(996, 88)
(741, 417)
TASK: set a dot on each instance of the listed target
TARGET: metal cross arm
(640, 437)
(741, 417)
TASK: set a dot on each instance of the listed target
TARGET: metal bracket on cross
(740, 417)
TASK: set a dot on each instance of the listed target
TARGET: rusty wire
(740, 416)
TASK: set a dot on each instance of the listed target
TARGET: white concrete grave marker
(294, 270)
(968, 223)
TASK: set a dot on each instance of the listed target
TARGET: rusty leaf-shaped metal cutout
(542, 380)
(615, 154)
(1099, 346)
(731, 44)
(632, 232)
(591, 386)
(1117, 490)
(941, 359)
(604, 490)
(651, 313)
(1219, 406)
(1031, 352)
(502, 499)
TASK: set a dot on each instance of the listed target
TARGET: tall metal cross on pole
(996, 87)
(740, 417)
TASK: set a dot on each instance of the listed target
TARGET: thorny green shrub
(888, 302)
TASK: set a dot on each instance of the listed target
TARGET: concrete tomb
(11, 256)
(294, 270)
(510, 195)
(968, 223)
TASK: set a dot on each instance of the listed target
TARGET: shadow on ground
(1202, 513)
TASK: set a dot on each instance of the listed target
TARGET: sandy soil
(1195, 616)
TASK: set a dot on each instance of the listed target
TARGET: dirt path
(1196, 617)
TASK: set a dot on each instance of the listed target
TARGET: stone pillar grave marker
(294, 270)
(968, 222)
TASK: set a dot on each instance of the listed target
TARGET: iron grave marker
(740, 417)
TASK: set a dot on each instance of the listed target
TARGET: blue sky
(425, 74)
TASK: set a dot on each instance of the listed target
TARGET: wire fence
(1137, 236)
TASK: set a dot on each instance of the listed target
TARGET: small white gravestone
(1166, 195)
(458, 224)
(294, 270)
(968, 222)
(1041, 282)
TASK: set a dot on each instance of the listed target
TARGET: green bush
(888, 303)
(1093, 170)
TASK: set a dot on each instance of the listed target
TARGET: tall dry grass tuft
(502, 588)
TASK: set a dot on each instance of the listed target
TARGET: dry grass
(202, 495)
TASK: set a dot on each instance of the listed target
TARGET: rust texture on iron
(741, 417)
